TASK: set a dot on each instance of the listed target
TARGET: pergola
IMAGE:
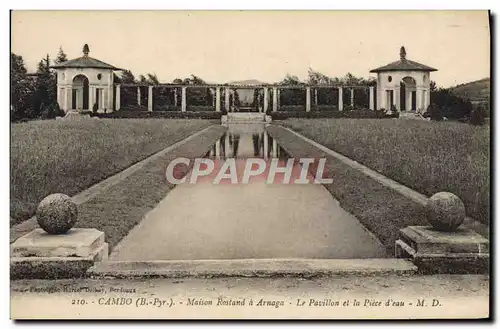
(269, 91)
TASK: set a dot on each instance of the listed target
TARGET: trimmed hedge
(200, 108)
(134, 107)
(365, 114)
(168, 108)
(121, 114)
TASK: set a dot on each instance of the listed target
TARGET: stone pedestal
(44, 256)
(433, 251)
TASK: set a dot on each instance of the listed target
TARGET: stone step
(253, 268)
(411, 115)
(245, 117)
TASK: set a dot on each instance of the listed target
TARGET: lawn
(426, 156)
(68, 156)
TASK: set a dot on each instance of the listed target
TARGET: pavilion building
(84, 82)
(403, 85)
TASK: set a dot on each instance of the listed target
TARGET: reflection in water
(256, 144)
(244, 143)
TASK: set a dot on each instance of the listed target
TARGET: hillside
(477, 91)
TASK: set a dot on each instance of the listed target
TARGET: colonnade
(266, 88)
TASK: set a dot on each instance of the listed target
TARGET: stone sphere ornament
(445, 211)
(57, 213)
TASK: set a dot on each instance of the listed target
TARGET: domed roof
(85, 62)
(403, 65)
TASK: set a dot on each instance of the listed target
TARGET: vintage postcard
(250, 164)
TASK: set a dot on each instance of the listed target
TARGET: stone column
(372, 98)
(341, 101)
(110, 98)
(176, 101)
(275, 99)
(226, 145)
(217, 99)
(279, 98)
(105, 98)
(266, 145)
(91, 97)
(60, 96)
(109, 105)
(226, 100)
(352, 97)
(117, 97)
(426, 98)
(217, 149)
(138, 95)
(183, 99)
(408, 99)
(265, 99)
(150, 98)
(67, 102)
(382, 102)
(308, 99)
(316, 97)
(397, 97)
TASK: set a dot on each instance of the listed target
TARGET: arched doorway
(408, 96)
(80, 93)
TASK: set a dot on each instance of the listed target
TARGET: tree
(22, 87)
(291, 80)
(127, 77)
(61, 56)
(152, 79)
(478, 115)
(316, 78)
(450, 105)
(196, 96)
(128, 95)
(433, 86)
(46, 84)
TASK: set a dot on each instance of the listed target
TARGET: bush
(124, 114)
(434, 112)
(200, 108)
(51, 111)
(450, 105)
(282, 115)
(57, 111)
(326, 108)
(289, 108)
(45, 112)
(134, 107)
(166, 107)
(478, 116)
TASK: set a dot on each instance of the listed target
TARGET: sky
(223, 46)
